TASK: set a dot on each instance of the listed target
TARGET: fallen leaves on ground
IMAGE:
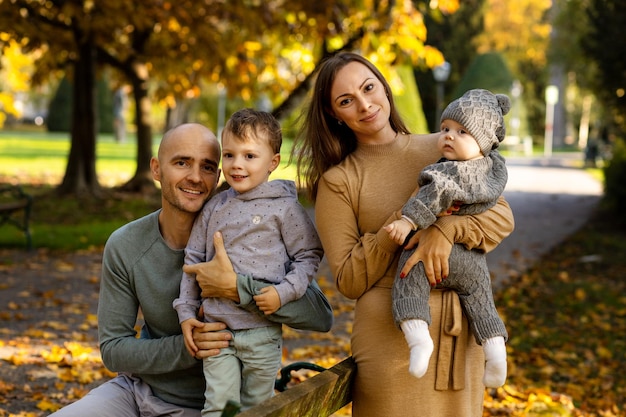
(566, 319)
(48, 331)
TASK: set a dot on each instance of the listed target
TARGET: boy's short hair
(250, 124)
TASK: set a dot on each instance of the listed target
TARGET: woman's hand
(433, 250)
(456, 206)
(216, 278)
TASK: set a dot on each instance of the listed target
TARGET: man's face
(187, 167)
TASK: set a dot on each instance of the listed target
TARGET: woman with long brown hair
(360, 162)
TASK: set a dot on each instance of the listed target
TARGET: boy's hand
(398, 230)
(268, 301)
(187, 326)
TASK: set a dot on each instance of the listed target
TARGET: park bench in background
(318, 396)
(15, 208)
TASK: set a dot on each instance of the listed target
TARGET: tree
(453, 33)
(14, 70)
(64, 33)
(520, 31)
(603, 45)
(166, 50)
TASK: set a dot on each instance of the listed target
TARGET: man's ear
(155, 169)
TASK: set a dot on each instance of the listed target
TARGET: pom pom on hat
(482, 113)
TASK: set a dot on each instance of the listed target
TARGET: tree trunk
(142, 180)
(80, 174)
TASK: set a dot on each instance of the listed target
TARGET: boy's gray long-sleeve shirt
(267, 234)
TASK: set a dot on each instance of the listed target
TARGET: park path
(551, 198)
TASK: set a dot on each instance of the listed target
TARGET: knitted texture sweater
(139, 269)
(476, 183)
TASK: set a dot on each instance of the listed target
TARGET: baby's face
(456, 143)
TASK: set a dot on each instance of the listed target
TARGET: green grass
(37, 160)
(41, 157)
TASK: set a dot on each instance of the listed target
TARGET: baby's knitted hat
(482, 113)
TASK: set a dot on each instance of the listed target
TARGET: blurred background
(88, 87)
(131, 70)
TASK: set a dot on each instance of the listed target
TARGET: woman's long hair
(322, 142)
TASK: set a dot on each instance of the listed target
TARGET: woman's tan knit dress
(354, 201)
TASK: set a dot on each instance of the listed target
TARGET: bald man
(141, 270)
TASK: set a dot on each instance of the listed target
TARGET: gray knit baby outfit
(477, 184)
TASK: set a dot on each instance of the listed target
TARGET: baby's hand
(187, 327)
(398, 230)
(268, 301)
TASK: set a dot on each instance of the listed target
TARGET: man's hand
(433, 250)
(216, 278)
(268, 301)
(209, 339)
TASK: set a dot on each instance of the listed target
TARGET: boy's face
(456, 144)
(246, 163)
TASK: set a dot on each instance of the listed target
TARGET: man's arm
(128, 278)
(217, 278)
(312, 311)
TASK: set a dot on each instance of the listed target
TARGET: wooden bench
(320, 395)
(13, 202)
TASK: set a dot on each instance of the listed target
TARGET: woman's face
(358, 99)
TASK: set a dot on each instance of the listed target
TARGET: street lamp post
(516, 92)
(552, 97)
(440, 74)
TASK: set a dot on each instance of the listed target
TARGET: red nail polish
(402, 275)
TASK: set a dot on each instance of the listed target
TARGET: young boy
(267, 234)
(471, 176)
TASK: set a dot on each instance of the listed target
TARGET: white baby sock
(495, 362)
(420, 343)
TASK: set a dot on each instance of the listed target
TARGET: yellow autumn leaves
(72, 362)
